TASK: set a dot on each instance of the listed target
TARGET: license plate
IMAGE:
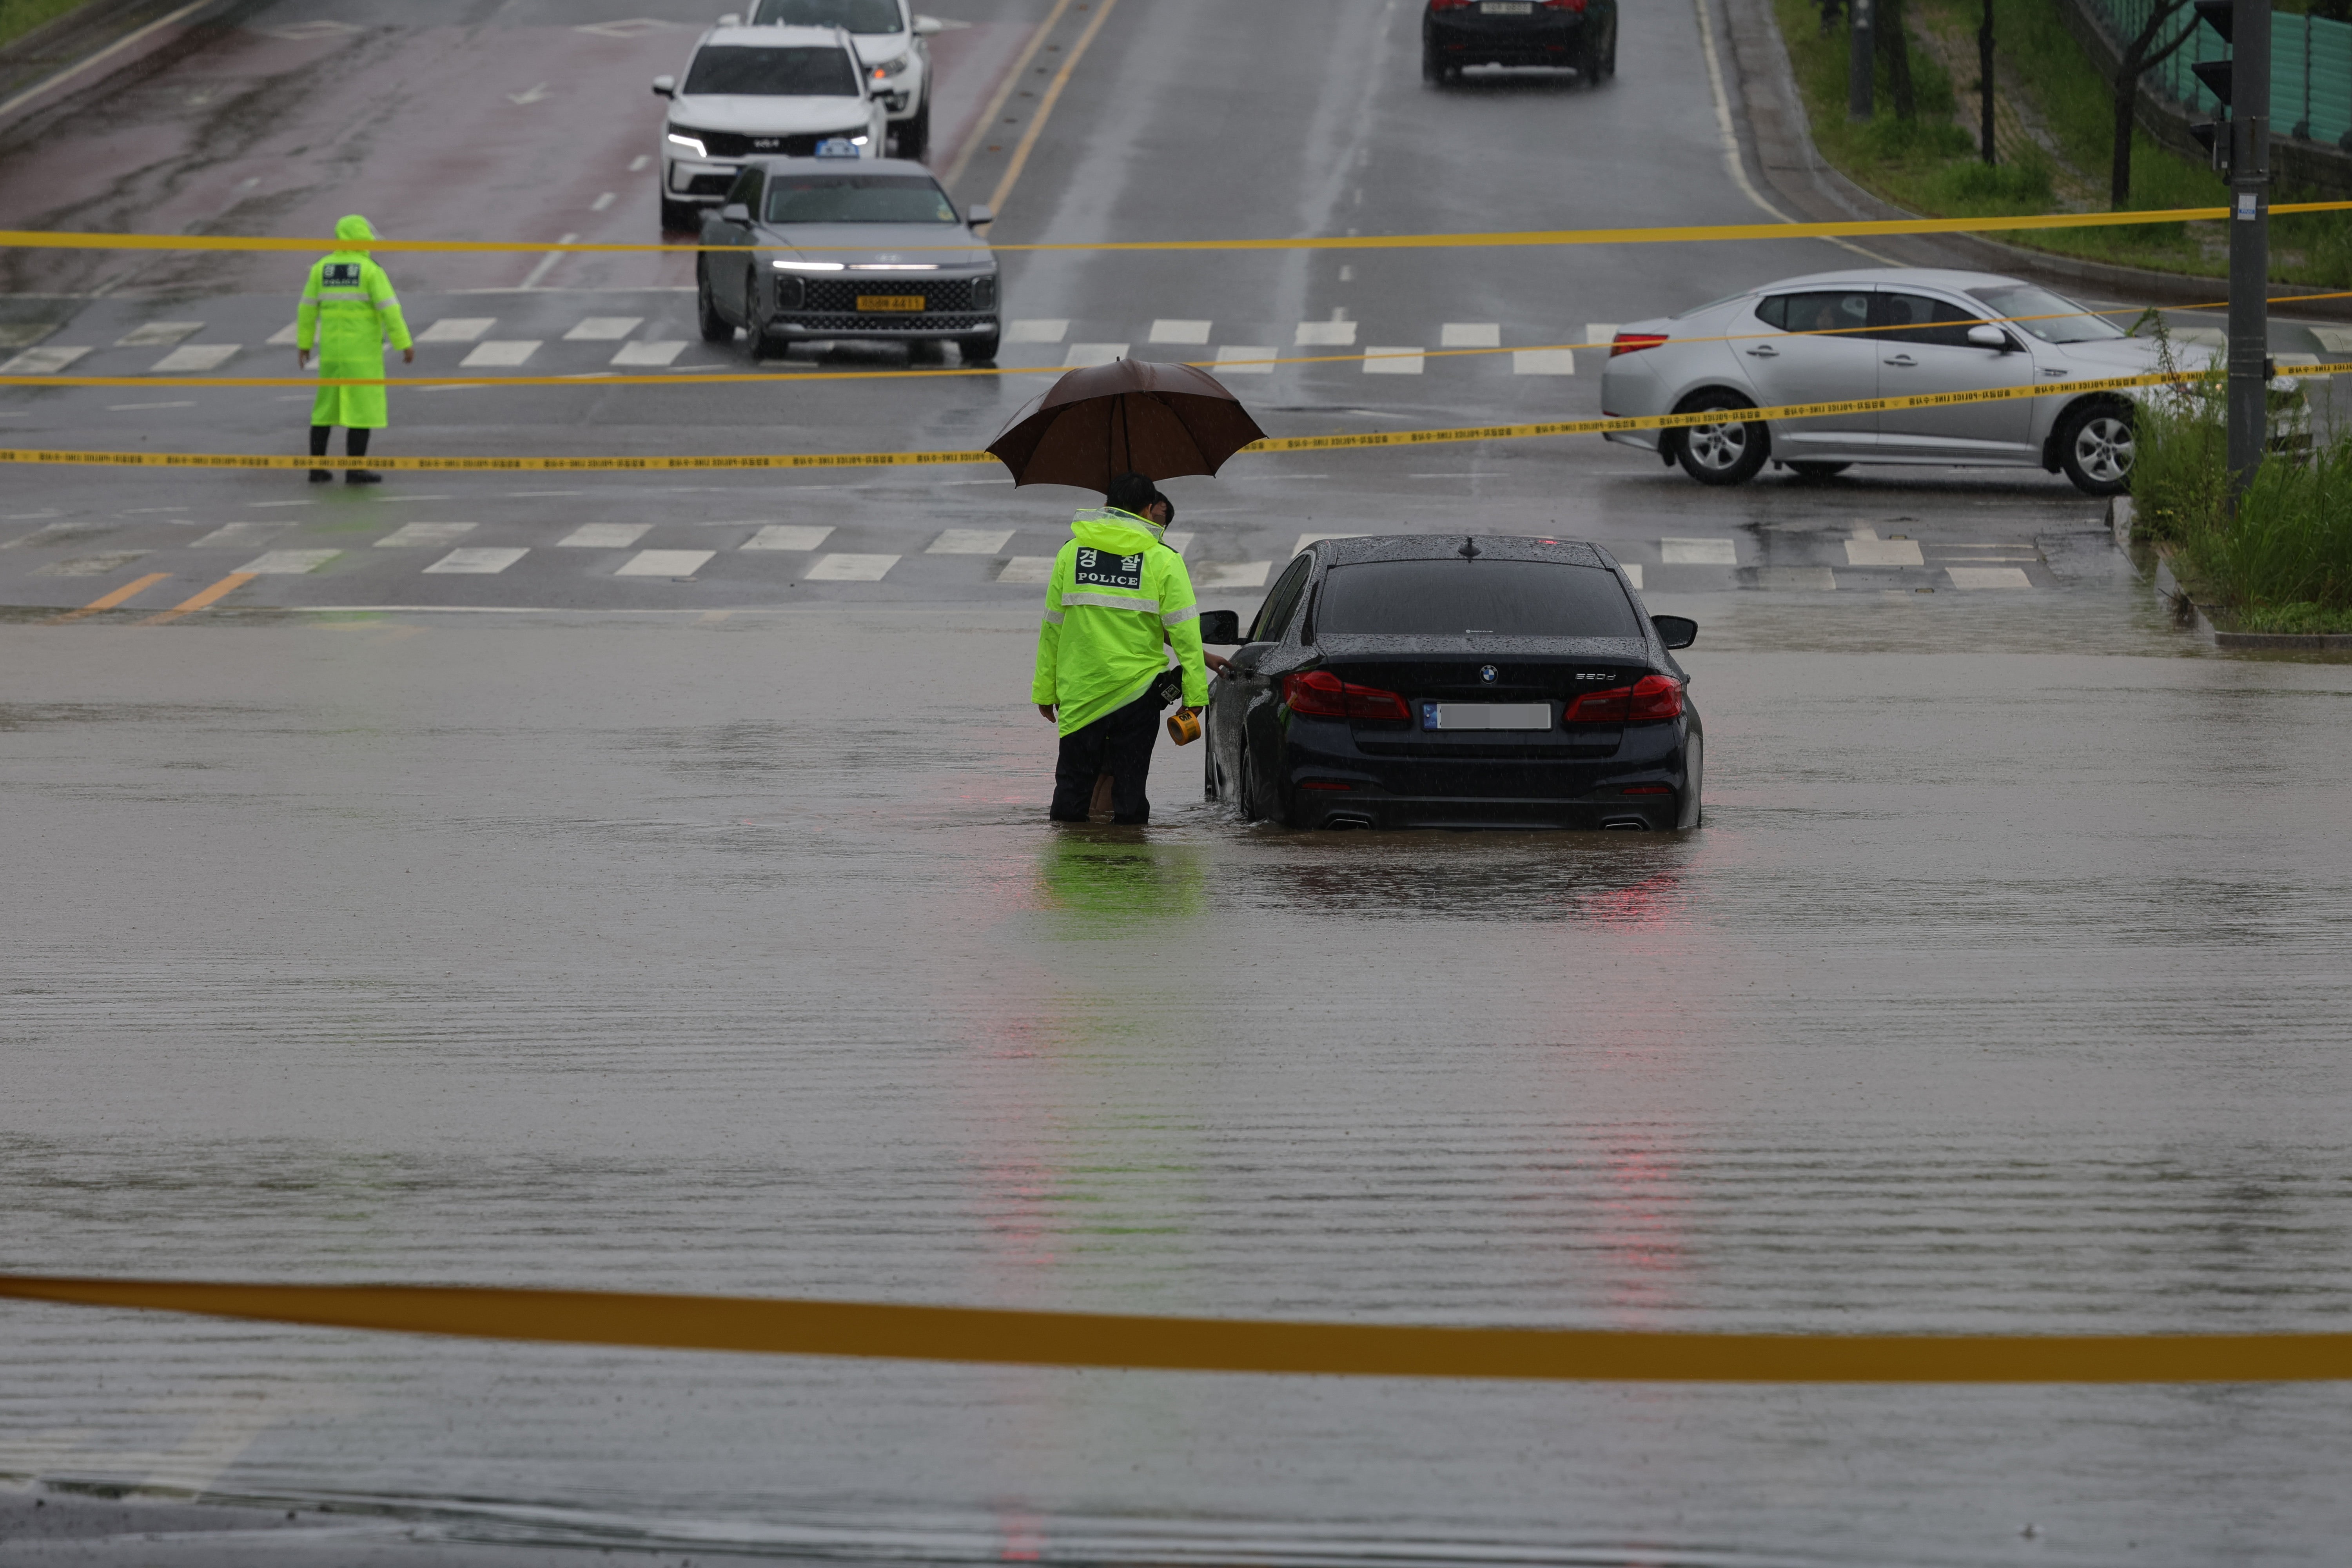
(891, 301)
(837, 147)
(1508, 8)
(1485, 715)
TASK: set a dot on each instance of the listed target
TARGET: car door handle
(1765, 350)
(1902, 359)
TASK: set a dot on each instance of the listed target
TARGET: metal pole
(1861, 62)
(2249, 234)
(1984, 76)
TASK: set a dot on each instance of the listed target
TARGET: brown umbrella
(1126, 417)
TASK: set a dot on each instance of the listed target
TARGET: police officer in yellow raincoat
(349, 312)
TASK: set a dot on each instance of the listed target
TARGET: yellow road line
(1045, 109)
(1687, 233)
(1224, 1345)
(122, 596)
(189, 606)
(1004, 93)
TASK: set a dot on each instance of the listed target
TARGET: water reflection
(1592, 879)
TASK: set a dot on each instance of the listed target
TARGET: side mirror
(1986, 336)
(1223, 628)
(1675, 631)
(925, 27)
(665, 86)
(980, 213)
(737, 213)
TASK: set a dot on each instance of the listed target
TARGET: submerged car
(841, 251)
(1837, 337)
(753, 92)
(1423, 681)
(893, 44)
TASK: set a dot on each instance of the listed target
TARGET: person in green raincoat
(349, 312)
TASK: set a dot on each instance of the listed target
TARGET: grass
(2283, 563)
(19, 17)
(1932, 166)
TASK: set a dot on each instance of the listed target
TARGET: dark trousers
(355, 442)
(1118, 743)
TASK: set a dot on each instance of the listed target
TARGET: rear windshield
(1448, 598)
(772, 73)
(857, 198)
(858, 15)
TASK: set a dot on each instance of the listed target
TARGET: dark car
(846, 249)
(1424, 680)
(1578, 33)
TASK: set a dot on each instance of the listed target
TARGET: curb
(64, 57)
(2192, 616)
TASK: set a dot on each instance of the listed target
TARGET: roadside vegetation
(19, 17)
(2053, 142)
(2283, 563)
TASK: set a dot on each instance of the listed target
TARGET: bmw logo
(1487, 673)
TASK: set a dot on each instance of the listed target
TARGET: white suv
(761, 92)
(893, 44)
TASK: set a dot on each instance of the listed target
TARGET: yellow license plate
(891, 301)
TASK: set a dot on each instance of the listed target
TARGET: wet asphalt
(699, 931)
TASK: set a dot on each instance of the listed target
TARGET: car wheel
(1818, 470)
(981, 351)
(1589, 66)
(1724, 452)
(680, 218)
(2096, 447)
(1694, 810)
(914, 138)
(1433, 69)
(716, 328)
(1209, 772)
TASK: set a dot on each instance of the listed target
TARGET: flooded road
(2002, 993)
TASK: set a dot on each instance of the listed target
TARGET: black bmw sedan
(1429, 680)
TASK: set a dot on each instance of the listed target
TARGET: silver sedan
(1836, 337)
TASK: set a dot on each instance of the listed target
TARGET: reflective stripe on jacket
(1119, 600)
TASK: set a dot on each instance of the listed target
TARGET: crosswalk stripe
(1170, 330)
(410, 534)
(456, 329)
(244, 533)
(604, 535)
(1325, 334)
(1393, 361)
(46, 361)
(286, 337)
(1796, 579)
(1177, 540)
(1227, 353)
(1600, 331)
(478, 560)
(1544, 361)
(286, 562)
(665, 563)
(1094, 353)
(158, 334)
(499, 354)
(851, 568)
(1973, 577)
(1698, 553)
(1028, 568)
(1036, 332)
(1633, 572)
(1470, 335)
(1884, 552)
(602, 329)
(655, 355)
(789, 536)
(970, 542)
(198, 357)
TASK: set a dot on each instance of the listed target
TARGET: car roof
(781, 165)
(1877, 277)
(1348, 551)
(774, 34)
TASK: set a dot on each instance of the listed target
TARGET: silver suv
(761, 92)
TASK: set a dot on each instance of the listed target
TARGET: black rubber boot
(356, 443)
(319, 434)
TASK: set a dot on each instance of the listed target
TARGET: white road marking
(637, 164)
(286, 336)
(1231, 359)
(601, 203)
(128, 408)
(303, 32)
(244, 533)
(89, 565)
(547, 262)
(158, 334)
(498, 354)
(288, 563)
(1169, 331)
(1094, 353)
(628, 27)
(1036, 332)
(1233, 575)
(1393, 361)
(604, 535)
(1544, 361)
(1601, 334)
(1698, 553)
(1633, 572)
(197, 356)
(1307, 539)
(481, 562)
(1470, 335)
(420, 533)
(42, 362)
(2203, 337)
(24, 334)
(665, 563)
(1326, 334)
(1027, 569)
(851, 568)
(2334, 340)
(970, 542)
(535, 93)
(602, 329)
(456, 329)
(787, 536)
(1796, 579)
(658, 355)
(1883, 553)
(1988, 577)
(1177, 540)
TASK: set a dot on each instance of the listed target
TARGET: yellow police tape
(1269, 445)
(1221, 1344)
(46, 239)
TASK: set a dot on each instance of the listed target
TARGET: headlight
(983, 293)
(690, 143)
(808, 265)
(891, 67)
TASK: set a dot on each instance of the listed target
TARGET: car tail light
(1575, 5)
(1450, 4)
(1647, 789)
(1652, 697)
(1634, 342)
(1324, 695)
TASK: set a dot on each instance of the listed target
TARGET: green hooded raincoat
(1120, 599)
(349, 312)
